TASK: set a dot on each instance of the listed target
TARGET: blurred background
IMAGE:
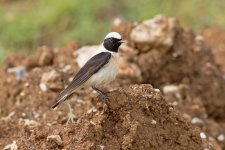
(27, 24)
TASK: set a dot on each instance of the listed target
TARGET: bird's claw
(70, 115)
(105, 99)
(103, 95)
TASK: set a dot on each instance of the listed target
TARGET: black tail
(61, 99)
(64, 94)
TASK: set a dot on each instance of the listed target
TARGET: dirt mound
(179, 63)
(168, 54)
(215, 38)
(137, 118)
(159, 52)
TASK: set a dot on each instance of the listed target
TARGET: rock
(170, 89)
(202, 135)
(43, 87)
(9, 117)
(158, 32)
(46, 56)
(221, 137)
(123, 27)
(65, 56)
(20, 72)
(196, 65)
(12, 146)
(55, 138)
(84, 53)
(66, 69)
(197, 121)
(52, 80)
(214, 38)
(129, 70)
(101, 147)
(28, 122)
(213, 128)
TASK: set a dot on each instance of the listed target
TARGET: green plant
(26, 25)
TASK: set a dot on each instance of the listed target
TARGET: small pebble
(54, 138)
(28, 122)
(9, 117)
(70, 79)
(102, 147)
(80, 101)
(66, 68)
(153, 121)
(26, 84)
(175, 103)
(12, 146)
(197, 120)
(20, 72)
(170, 89)
(93, 109)
(52, 79)
(43, 87)
(220, 137)
(156, 90)
(23, 115)
(22, 94)
(202, 135)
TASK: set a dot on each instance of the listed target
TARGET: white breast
(107, 73)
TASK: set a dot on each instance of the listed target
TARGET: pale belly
(106, 74)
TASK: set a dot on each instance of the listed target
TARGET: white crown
(113, 35)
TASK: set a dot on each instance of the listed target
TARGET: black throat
(112, 44)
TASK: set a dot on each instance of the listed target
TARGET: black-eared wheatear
(100, 69)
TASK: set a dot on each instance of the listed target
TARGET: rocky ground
(169, 94)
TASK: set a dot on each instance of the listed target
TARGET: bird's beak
(122, 41)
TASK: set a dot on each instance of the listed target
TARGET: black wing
(92, 66)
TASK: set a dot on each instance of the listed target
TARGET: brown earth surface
(184, 110)
(215, 39)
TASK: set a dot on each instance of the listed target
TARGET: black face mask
(112, 44)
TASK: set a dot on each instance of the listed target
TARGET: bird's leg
(102, 94)
(70, 114)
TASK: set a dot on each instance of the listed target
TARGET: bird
(99, 70)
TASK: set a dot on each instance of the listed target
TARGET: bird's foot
(103, 95)
(71, 117)
(105, 99)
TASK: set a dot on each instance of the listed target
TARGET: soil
(215, 38)
(167, 95)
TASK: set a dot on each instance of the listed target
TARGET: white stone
(202, 135)
(81, 101)
(175, 103)
(43, 87)
(156, 90)
(55, 138)
(196, 120)
(84, 53)
(102, 147)
(20, 72)
(153, 121)
(9, 117)
(220, 137)
(159, 31)
(66, 68)
(12, 146)
(28, 122)
(170, 89)
(52, 80)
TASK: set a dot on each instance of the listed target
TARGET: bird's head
(112, 41)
